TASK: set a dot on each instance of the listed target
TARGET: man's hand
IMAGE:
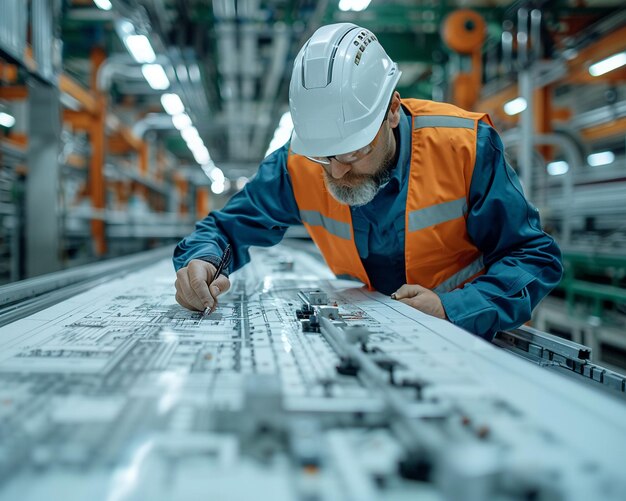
(420, 298)
(192, 286)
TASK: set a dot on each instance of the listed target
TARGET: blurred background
(122, 122)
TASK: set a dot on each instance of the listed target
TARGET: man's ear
(394, 110)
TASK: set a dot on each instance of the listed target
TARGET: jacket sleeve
(523, 263)
(258, 215)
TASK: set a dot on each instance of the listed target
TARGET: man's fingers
(186, 291)
(219, 286)
(407, 291)
(427, 302)
(199, 277)
(194, 287)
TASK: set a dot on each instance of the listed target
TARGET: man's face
(357, 183)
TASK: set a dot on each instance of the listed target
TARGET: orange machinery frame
(544, 111)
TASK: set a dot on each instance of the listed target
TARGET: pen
(224, 260)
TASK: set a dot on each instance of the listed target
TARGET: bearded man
(411, 197)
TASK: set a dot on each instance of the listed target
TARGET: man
(413, 198)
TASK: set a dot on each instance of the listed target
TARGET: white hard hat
(341, 85)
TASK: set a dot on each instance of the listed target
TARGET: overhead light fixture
(219, 183)
(181, 121)
(201, 154)
(172, 104)
(181, 73)
(207, 167)
(601, 158)
(124, 27)
(189, 133)
(103, 4)
(354, 5)
(140, 48)
(194, 142)
(515, 106)
(557, 168)
(217, 175)
(194, 73)
(6, 120)
(218, 188)
(608, 64)
(155, 75)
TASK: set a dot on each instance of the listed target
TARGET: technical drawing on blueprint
(298, 387)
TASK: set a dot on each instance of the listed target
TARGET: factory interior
(125, 122)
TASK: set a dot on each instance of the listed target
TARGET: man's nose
(338, 170)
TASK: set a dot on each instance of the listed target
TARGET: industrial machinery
(298, 387)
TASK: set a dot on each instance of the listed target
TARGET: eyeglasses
(346, 158)
(353, 156)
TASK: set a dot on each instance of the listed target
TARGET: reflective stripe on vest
(422, 122)
(337, 228)
(461, 276)
(435, 214)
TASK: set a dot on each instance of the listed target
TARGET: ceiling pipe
(224, 11)
(248, 70)
(152, 121)
(123, 66)
(280, 52)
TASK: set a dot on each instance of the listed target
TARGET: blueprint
(119, 394)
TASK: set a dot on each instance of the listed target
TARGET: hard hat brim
(333, 146)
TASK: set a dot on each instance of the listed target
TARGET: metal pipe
(522, 37)
(120, 65)
(152, 121)
(228, 55)
(248, 63)
(525, 84)
(575, 161)
(507, 47)
(535, 34)
(280, 50)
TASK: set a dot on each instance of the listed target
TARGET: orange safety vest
(439, 253)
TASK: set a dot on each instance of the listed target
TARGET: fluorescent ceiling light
(140, 48)
(207, 166)
(155, 75)
(6, 120)
(557, 168)
(608, 64)
(181, 121)
(194, 142)
(217, 175)
(189, 133)
(125, 27)
(515, 106)
(172, 104)
(181, 73)
(194, 73)
(601, 158)
(355, 5)
(217, 187)
(201, 154)
(103, 4)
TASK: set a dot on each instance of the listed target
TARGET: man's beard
(359, 189)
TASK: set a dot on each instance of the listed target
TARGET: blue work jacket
(523, 262)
